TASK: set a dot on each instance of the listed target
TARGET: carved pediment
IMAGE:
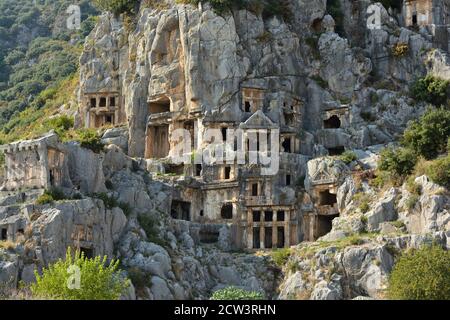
(258, 121)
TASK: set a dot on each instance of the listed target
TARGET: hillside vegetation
(38, 62)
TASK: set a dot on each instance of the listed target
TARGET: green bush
(60, 124)
(50, 195)
(109, 202)
(439, 171)
(432, 90)
(422, 274)
(138, 278)
(89, 139)
(44, 199)
(281, 256)
(233, 293)
(398, 162)
(429, 135)
(267, 8)
(362, 201)
(150, 226)
(116, 6)
(348, 157)
(99, 280)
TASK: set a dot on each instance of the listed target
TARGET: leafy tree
(99, 280)
(89, 139)
(439, 171)
(399, 162)
(233, 293)
(429, 135)
(422, 274)
(432, 90)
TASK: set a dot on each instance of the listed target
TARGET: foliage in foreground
(99, 280)
(422, 274)
(428, 136)
(432, 90)
(233, 293)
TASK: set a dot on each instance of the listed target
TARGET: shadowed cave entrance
(181, 210)
(324, 224)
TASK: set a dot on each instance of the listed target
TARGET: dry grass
(8, 245)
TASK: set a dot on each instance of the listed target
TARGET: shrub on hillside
(59, 124)
(99, 280)
(422, 274)
(116, 6)
(233, 293)
(429, 135)
(399, 162)
(267, 8)
(50, 195)
(432, 90)
(89, 139)
(281, 256)
(439, 171)
(348, 157)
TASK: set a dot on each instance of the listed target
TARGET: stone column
(249, 229)
(262, 232)
(274, 230)
(287, 229)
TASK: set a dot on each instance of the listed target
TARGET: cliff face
(187, 62)
(201, 61)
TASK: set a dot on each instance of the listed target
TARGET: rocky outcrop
(346, 269)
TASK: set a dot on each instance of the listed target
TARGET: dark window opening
(324, 224)
(174, 169)
(280, 216)
(160, 106)
(227, 173)
(268, 216)
(93, 102)
(332, 123)
(202, 213)
(256, 238)
(180, 210)
(224, 134)
(207, 236)
(256, 216)
(87, 252)
(280, 237)
(337, 151)
(288, 179)
(52, 177)
(4, 235)
(112, 102)
(247, 106)
(289, 119)
(21, 231)
(254, 189)
(414, 19)
(268, 238)
(227, 211)
(108, 119)
(317, 25)
(327, 199)
(287, 145)
(198, 170)
(102, 102)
